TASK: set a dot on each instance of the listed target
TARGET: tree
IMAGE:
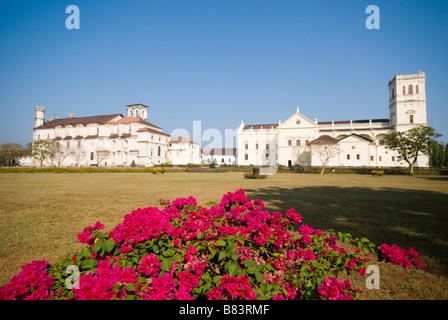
(10, 152)
(436, 154)
(60, 153)
(43, 150)
(101, 155)
(77, 154)
(445, 164)
(411, 143)
(325, 151)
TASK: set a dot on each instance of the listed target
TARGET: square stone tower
(407, 101)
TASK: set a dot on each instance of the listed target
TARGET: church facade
(360, 142)
(113, 140)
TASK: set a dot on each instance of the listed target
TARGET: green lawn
(41, 213)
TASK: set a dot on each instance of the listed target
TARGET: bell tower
(137, 110)
(39, 116)
(407, 101)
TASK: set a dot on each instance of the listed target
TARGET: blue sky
(216, 61)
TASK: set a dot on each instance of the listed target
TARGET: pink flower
(32, 283)
(333, 289)
(150, 265)
(295, 217)
(88, 234)
(398, 256)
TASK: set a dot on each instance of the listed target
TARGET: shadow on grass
(434, 178)
(408, 218)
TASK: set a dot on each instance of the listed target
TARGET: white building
(360, 141)
(183, 151)
(105, 140)
(219, 156)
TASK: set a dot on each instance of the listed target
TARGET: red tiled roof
(152, 130)
(181, 139)
(324, 139)
(80, 120)
(133, 120)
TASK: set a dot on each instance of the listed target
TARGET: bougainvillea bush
(232, 250)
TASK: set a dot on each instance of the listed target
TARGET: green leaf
(130, 287)
(221, 243)
(97, 248)
(166, 265)
(85, 253)
(88, 264)
(108, 245)
(270, 267)
(222, 255)
(341, 236)
(250, 270)
(232, 269)
(200, 236)
(259, 276)
(177, 258)
(206, 276)
(168, 253)
(130, 297)
(232, 248)
(249, 263)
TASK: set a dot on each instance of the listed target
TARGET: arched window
(404, 90)
(298, 143)
(393, 93)
(289, 143)
(410, 89)
(307, 142)
(416, 89)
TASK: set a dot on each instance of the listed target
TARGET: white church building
(294, 141)
(113, 140)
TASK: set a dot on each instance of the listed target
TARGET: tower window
(256, 146)
(410, 89)
(289, 143)
(404, 90)
(416, 89)
(411, 118)
(348, 157)
(298, 143)
(358, 157)
(246, 157)
(246, 146)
